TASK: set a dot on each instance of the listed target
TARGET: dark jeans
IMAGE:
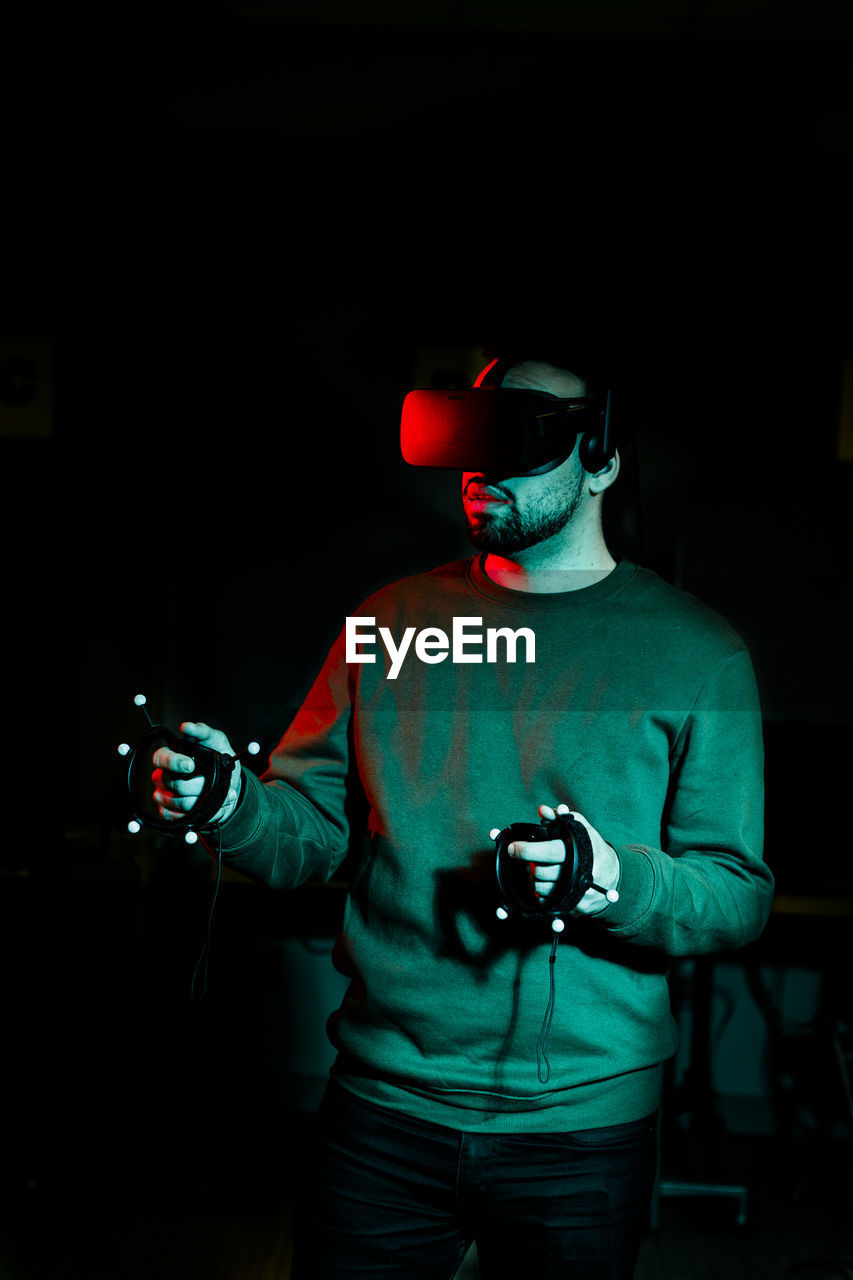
(395, 1197)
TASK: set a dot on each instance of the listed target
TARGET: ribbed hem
(617, 1100)
(637, 882)
(245, 823)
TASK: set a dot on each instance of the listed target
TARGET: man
(456, 1112)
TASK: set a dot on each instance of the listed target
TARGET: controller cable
(542, 1042)
(216, 768)
(518, 896)
(203, 962)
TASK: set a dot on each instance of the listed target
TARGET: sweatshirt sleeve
(707, 889)
(291, 824)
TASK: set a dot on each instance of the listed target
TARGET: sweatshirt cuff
(637, 882)
(244, 824)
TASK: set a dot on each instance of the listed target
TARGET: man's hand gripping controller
(515, 886)
(216, 767)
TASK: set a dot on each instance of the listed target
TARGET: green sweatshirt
(639, 711)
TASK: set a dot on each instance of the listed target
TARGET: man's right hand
(176, 785)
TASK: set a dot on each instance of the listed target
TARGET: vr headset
(501, 431)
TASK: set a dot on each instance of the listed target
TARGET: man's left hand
(545, 858)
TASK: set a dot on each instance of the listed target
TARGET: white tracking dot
(191, 837)
(558, 925)
(502, 913)
(254, 748)
(563, 808)
(123, 749)
(140, 700)
(612, 895)
(134, 827)
(494, 833)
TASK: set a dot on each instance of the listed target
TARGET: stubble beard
(506, 529)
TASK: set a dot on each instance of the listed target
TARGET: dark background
(242, 226)
(241, 230)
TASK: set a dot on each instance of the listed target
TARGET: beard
(506, 529)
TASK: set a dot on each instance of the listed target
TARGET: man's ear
(598, 481)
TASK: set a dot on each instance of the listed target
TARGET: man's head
(506, 514)
(534, 375)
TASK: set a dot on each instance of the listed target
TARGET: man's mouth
(480, 496)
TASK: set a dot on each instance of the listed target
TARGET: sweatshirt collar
(547, 602)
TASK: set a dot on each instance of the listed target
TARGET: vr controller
(216, 767)
(515, 884)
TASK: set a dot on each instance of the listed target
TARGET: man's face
(508, 514)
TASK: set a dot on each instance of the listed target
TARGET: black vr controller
(216, 767)
(515, 882)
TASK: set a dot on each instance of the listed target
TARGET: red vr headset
(502, 431)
